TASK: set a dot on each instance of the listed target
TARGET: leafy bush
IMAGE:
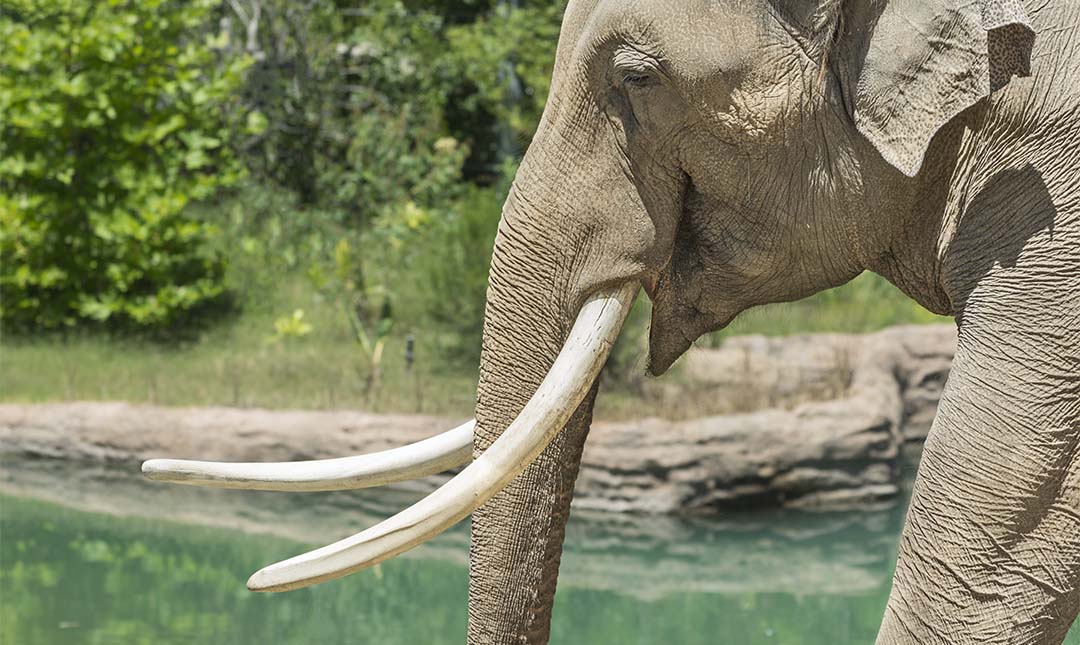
(267, 234)
(508, 56)
(113, 121)
(349, 103)
(449, 267)
(363, 109)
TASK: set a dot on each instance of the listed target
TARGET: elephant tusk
(563, 389)
(436, 454)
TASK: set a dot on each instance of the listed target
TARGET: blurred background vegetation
(281, 203)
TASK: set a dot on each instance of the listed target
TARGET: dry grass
(236, 364)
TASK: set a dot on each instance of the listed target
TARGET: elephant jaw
(559, 395)
(674, 328)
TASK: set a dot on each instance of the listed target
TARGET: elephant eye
(638, 79)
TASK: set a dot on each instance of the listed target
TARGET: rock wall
(881, 389)
(838, 452)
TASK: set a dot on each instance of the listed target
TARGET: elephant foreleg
(991, 547)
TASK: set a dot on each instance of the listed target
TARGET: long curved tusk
(544, 416)
(436, 454)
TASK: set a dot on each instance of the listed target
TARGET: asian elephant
(729, 153)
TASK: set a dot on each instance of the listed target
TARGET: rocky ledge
(881, 392)
(842, 451)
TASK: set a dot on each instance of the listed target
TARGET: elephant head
(721, 153)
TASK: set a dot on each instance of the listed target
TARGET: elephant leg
(991, 547)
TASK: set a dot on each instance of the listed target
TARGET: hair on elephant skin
(731, 153)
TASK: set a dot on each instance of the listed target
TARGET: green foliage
(362, 114)
(363, 109)
(292, 326)
(521, 41)
(389, 142)
(289, 89)
(447, 271)
(112, 122)
(368, 311)
(350, 104)
(373, 115)
(268, 234)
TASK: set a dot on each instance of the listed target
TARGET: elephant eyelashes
(637, 80)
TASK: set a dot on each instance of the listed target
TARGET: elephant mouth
(675, 326)
(565, 386)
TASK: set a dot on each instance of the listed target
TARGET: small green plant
(292, 326)
(367, 309)
(371, 334)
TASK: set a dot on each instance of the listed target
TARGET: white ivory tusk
(437, 454)
(544, 416)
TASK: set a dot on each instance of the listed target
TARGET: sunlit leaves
(293, 326)
(114, 117)
(521, 41)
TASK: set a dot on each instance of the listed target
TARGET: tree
(113, 119)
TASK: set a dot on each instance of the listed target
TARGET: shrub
(507, 58)
(350, 104)
(113, 122)
(435, 265)
(452, 270)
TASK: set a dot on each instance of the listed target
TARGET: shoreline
(841, 452)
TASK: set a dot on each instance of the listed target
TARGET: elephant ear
(928, 60)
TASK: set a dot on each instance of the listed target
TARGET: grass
(867, 303)
(276, 249)
(237, 363)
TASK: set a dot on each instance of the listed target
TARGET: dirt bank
(830, 453)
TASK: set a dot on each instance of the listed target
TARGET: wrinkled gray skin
(730, 153)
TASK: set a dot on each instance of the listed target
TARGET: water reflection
(115, 571)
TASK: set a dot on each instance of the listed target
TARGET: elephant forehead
(695, 39)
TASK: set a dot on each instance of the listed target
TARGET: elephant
(724, 154)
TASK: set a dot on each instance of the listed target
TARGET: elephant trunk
(517, 536)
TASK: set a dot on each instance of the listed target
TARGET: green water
(122, 574)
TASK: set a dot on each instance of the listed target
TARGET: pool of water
(99, 556)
